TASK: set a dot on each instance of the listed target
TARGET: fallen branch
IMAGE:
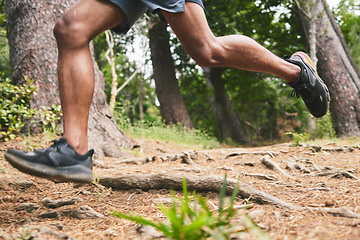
(274, 166)
(335, 174)
(293, 165)
(185, 157)
(136, 161)
(261, 176)
(199, 183)
(209, 184)
(339, 149)
(271, 153)
(337, 212)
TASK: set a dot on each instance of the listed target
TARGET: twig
(274, 166)
(261, 176)
(271, 153)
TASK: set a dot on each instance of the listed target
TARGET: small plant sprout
(190, 218)
(298, 138)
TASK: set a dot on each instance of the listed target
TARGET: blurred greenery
(14, 107)
(261, 101)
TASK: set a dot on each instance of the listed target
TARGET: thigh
(92, 17)
(191, 27)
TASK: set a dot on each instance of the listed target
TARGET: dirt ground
(322, 176)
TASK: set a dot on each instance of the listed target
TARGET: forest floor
(314, 178)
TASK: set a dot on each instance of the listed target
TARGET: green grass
(175, 134)
(351, 141)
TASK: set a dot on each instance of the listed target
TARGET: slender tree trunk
(33, 53)
(110, 56)
(172, 107)
(141, 100)
(337, 69)
(226, 119)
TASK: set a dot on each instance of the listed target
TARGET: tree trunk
(337, 69)
(33, 54)
(226, 119)
(172, 107)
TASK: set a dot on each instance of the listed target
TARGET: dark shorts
(133, 9)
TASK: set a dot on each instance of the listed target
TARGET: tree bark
(338, 71)
(172, 107)
(226, 119)
(33, 53)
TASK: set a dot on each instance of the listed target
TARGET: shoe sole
(76, 173)
(307, 61)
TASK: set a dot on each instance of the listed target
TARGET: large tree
(172, 107)
(33, 54)
(335, 66)
(226, 119)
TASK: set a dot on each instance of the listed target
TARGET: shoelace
(295, 93)
(56, 146)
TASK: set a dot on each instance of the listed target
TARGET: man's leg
(231, 51)
(68, 159)
(242, 52)
(73, 32)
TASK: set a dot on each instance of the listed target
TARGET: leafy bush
(14, 107)
(50, 117)
(191, 218)
(298, 138)
(324, 128)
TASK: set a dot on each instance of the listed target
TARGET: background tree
(348, 18)
(5, 67)
(337, 68)
(227, 121)
(135, 104)
(33, 53)
(172, 107)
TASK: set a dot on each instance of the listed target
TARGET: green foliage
(49, 117)
(348, 18)
(14, 107)
(298, 138)
(25, 235)
(258, 99)
(324, 128)
(139, 90)
(191, 218)
(5, 67)
(261, 100)
(15, 110)
(196, 96)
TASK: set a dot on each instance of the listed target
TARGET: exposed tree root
(337, 212)
(209, 184)
(274, 166)
(198, 183)
(261, 176)
(271, 153)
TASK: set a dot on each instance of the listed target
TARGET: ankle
(295, 73)
(80, 146)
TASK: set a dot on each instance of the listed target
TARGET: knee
(69, 33)
(208, 55)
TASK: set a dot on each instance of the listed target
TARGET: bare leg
(231, 51)
(73, 33)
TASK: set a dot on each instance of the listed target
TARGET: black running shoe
(309, 86)
(58, 162)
